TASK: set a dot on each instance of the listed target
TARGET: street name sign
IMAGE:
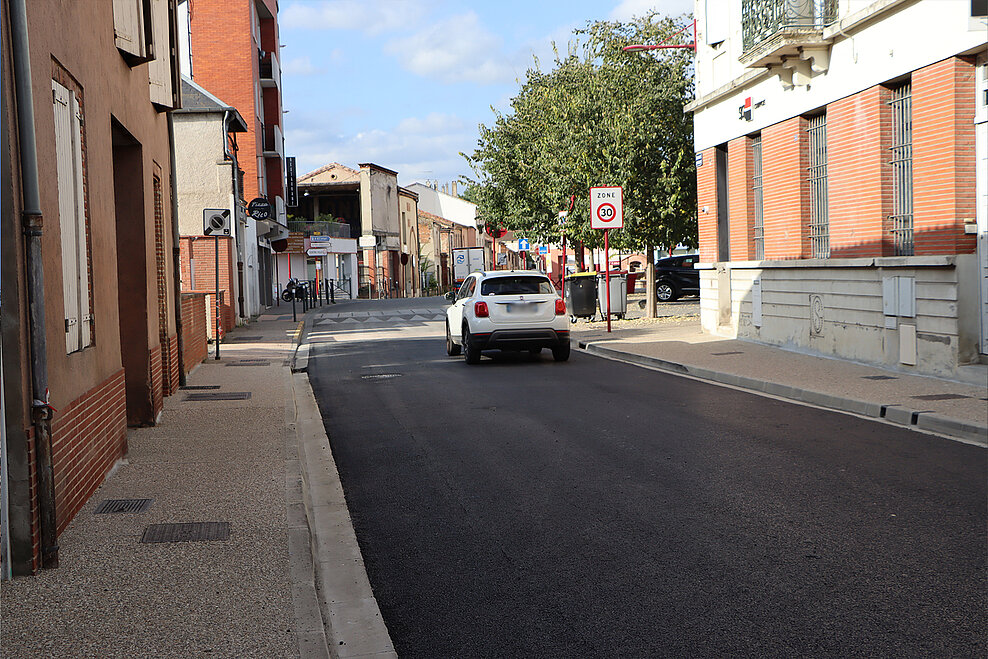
(317, 251)
(606, 207)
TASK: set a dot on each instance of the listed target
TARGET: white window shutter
(160, 68)
(65, 167)
(82, 237)
(128, 26)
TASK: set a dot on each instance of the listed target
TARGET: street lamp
(664, 46)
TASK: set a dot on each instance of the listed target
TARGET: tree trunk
(578, 254)
(650, 311)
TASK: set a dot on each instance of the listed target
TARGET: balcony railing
(764, 20)
(308, 228)
(268, 69)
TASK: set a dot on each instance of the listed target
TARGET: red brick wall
(224, 61)
(785, 191)
(943, 157)
(32, 463)
(859, 176)
(88, 436)
(203, 250)
(706, 197)
(741, 199)
(157, 381)
(194, 346)
(172, 376)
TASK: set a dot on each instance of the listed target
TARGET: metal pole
(294, 318)
(277, 282)
(607, 279)
(216, 323)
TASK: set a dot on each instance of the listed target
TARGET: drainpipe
(238, 243)
(33, 224)
(176, 257)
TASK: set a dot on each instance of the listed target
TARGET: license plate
(520, 307)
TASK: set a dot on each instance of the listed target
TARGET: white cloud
(302, 66)
(628, 9)
(370, 18)
(417, 147)
(457, 49)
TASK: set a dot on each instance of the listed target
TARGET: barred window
(819, 214)
(756, 189)
(902, 170)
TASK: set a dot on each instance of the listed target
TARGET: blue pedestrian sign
(522, 245)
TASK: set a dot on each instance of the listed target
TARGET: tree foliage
(601, 116)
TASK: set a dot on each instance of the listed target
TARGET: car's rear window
(519, 285)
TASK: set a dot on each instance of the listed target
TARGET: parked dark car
(675, 277)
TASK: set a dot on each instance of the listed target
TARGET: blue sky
(405, 83)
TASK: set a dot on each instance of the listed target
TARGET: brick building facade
(234, 54)
(829, 139)
(88, 305)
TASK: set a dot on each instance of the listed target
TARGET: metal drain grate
(218, 395)
(186, 532)
(879, 377)
(940, 397)
(247, 337)
(250, 362)
(721, 354)
(199, 387)
(380, 376)
(122, 506)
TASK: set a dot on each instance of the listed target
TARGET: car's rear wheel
(471, 353)
(666, 291)
(452, 349)
(561, 352)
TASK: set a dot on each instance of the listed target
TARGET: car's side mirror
(450, 296)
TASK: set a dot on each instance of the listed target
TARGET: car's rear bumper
(520, 339)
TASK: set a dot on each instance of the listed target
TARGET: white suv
(506, 310)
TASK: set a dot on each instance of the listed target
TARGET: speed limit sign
(606, 208)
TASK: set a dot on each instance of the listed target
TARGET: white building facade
(842, 156)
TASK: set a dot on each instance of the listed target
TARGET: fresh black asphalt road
(524, 508)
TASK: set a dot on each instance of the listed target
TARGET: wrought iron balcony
(774, 29)
(309, 228)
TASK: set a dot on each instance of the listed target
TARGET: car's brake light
(480, 310)
(560, 307)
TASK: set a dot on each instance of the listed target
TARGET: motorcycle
(295, 289)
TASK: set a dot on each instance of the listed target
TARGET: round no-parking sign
(606, 207)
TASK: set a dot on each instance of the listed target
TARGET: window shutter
(65, 167)
(160, 68)
(82, 237)
(128, 26)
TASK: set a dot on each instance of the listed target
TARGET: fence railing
(761, 19)
(334, 229)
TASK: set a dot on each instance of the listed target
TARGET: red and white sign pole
(607, 212)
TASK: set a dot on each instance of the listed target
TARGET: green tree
(600, 116)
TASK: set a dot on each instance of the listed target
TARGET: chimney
(452, 187)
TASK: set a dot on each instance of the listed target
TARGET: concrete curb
(300, 358)
(352, 618)
(954, 428)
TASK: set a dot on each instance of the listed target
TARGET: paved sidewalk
(233, 461)
(945, 407)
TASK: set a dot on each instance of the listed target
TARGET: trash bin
(633, 280)
(619, 293)
(581, 295)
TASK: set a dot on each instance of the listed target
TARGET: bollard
(332, 292)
